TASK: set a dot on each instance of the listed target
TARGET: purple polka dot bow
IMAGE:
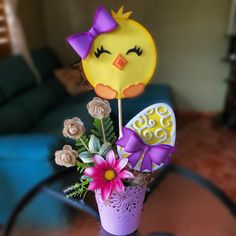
(102, 23)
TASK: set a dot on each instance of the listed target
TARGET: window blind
(5, 47)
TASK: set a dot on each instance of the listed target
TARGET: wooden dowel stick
(120, 116)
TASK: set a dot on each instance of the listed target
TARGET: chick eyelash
(136, 50)
(100, 51)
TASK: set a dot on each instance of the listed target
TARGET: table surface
(177, 206)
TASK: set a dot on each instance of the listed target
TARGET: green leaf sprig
(104, 130)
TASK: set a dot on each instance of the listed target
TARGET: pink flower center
(109, 175)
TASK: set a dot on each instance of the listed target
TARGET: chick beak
(120, 62)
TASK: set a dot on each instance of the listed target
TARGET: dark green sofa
(31, 121)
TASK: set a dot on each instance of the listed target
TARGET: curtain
(17, 36)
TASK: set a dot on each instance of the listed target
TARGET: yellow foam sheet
(139, 69)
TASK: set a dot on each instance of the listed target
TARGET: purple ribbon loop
(133, 144)
(102, 23)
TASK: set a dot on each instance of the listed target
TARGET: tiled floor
(208, 150)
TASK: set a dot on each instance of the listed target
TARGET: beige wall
(190, 35)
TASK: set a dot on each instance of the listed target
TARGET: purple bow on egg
(132, 143)
(102, 23)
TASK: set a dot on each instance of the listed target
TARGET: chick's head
(121, 58)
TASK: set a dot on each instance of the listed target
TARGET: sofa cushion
(38, 101)
(70, 107)
(15, 77)
(13, 118)
(76, 106)
(2, 97)
(45, 61)
(30, 147)
(57, 88)
(25, 160)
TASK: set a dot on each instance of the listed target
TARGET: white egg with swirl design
(155, 125)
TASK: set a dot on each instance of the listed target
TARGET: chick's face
(122, 58)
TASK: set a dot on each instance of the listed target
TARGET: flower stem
(84, 144)
(103, 132)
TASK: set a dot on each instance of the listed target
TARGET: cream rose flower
(99, 108)
(73, 128)
(66, 157)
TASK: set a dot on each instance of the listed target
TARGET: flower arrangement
(117, 170)
(96, 156)
(119, 181)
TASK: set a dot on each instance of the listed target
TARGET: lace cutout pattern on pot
(124, 204)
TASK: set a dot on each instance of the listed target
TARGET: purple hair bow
(132, 143)
(102, 23)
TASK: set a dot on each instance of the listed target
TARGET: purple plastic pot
(121, 213)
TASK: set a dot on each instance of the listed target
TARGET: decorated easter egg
(121, 58)
(155, 126)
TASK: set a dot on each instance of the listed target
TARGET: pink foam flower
(107, 174)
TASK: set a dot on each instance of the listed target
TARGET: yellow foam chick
(128, 63)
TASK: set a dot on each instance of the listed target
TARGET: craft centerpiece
(119, 58)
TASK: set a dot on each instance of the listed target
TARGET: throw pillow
(73, 79)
